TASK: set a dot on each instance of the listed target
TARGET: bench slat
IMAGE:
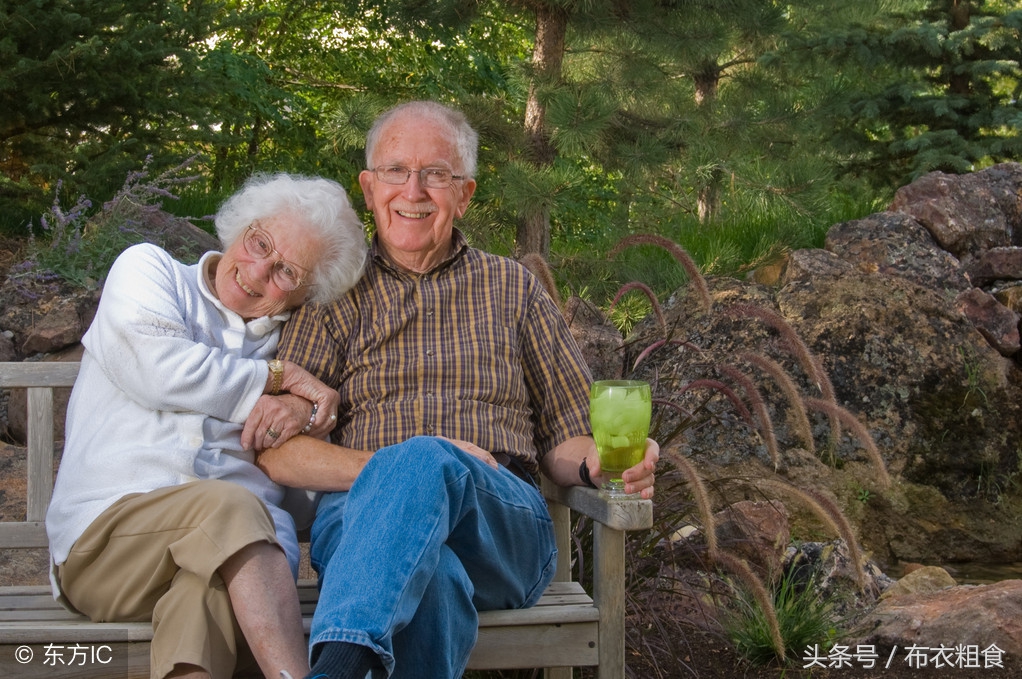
(524, 646)
(33, 608)
(38, 374)
(23, 535)
(42, 616)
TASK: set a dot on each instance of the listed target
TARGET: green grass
(803, 617)
(730, 247)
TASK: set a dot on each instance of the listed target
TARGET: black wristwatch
(583, 473)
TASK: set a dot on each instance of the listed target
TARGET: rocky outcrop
(41, 316)
(912, 315)
(976, 616)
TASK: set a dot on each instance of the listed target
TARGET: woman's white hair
(320, 205)
(466, 139)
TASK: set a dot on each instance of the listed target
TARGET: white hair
(465, 139)
(322, 206)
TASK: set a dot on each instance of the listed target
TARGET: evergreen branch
(642, 287)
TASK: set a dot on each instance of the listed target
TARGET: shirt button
(429, 352)
(429, 429)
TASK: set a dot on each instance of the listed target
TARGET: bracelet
(583, 473)
(312, 419)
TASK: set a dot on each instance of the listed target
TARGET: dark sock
(341, 660)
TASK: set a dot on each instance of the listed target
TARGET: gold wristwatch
(277, 371)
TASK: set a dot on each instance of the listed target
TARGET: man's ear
(468, 187)
(365, 180)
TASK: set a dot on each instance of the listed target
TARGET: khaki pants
(154, 556)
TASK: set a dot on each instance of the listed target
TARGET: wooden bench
(566, 629)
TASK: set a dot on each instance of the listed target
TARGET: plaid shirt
(474, 350)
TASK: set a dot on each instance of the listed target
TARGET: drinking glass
(619, 411)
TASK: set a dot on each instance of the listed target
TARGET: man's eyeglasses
(286, 276)
(429, 177)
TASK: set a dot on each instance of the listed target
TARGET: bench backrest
(39, 379)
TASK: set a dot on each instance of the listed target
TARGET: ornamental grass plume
(800, 350)
(860, 432)
(755, 399)
(790, 391)
(745, 574)
(830, 514)
(699, 494)
(538, 267)
(726, 391)
(642, 287)
(676, 251)
(644, 354)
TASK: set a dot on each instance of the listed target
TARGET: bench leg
(557, 673)
(609, 596)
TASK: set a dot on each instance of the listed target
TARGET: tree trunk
(707, 82)
(708, 201)
(959, 83)
(547, 58)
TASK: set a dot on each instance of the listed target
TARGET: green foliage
(803, 618)
(79, 248)
(932, 87)
(92, 88)
(720, 126)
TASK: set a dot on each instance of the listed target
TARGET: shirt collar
(458, 246)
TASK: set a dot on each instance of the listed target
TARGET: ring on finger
(272, 433)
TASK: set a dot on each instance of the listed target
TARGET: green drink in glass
(619, 411)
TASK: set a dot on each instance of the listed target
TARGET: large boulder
(976, 617)
(967, 214)
(887, 323)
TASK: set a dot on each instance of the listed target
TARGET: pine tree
(938, 88)
(92, 87)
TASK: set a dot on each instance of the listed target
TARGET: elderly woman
(158, 511)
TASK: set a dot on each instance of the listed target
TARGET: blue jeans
(427, 536)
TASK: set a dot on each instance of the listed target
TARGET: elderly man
(459, 381)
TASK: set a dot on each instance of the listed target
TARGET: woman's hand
(275, 419)
(306, 402)
(301, 382)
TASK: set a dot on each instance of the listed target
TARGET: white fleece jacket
(167, 379)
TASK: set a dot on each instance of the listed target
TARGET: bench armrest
(612, 518)
(622, 515)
